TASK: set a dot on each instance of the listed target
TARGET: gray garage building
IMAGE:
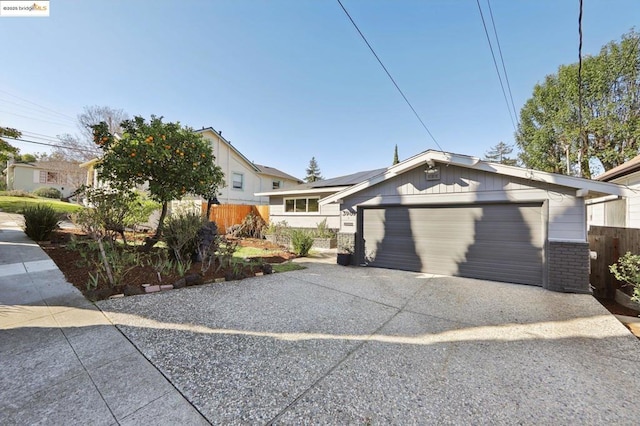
(451, 214)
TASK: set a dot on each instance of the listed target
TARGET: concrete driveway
(335, 344)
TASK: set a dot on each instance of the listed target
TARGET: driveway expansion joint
(347, 355)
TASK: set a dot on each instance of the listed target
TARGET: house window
(49, 177)
(276, 184)
(301, 205)
(238, 181)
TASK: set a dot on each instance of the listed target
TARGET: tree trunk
(150, 242)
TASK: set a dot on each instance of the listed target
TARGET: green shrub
(277, 228)
(17, 193)
(113, 211)
(48, 192)
(39, 221)
(140, 207)
(627, 270)
(301, 241)
(323, 231)
(181, 234)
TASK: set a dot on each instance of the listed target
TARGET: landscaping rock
(132, 290)
(193, 279)
(99, 294)
(181, 283)
(166, 287)
(267, 268)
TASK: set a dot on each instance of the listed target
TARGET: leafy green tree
(313, 171)
(500, 154)
(26, 158)
(6, 149)
(549, 135)
(395, 156)
(171, 160)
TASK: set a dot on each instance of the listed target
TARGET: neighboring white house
(62, 175)
(453, 214)
(618, 211)
(242, 177)
(300, 207)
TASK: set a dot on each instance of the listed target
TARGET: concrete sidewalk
(63, 362)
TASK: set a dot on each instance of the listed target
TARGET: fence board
(227, 215)
(610, 243)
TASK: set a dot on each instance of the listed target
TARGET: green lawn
(17, 204)
(287, 266)
(243, 252)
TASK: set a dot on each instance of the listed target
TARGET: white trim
(565, 240)
(306, 212)
(601, 200)
(301, 192)
(241, 181)
(595, 188)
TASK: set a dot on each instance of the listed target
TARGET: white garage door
(501, 242)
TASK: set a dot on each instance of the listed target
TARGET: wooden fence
(226, 215)
(609, 243)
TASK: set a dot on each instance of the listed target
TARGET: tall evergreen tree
(395, 156)
(313, 171)
(500, 154)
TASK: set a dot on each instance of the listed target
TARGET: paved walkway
(62, 361)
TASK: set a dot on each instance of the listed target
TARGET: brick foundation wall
(568, 267)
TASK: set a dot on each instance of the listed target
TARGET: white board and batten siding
(459, 186)
(620, 213)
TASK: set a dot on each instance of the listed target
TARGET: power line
(580, 130)
(495, 63)
(389, 75)
(52, 145)
(36, 119)
(39, 136)
(504, 68)
(35, 111)
(38, 105)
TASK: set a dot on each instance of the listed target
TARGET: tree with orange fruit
(172, 160)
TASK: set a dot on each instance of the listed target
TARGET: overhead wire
(30, 110)
(38, 135)
(495, 63)
(52, 145)
(38, 105)
(581, 139)
(58, 123)
(389, 75)
(504, 68)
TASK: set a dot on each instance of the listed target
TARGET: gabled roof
(623, 169)
(233, 148)
(271, 171)
(50, 164)
(584, 187)
(326, 185)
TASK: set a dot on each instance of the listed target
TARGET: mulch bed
(77, 271)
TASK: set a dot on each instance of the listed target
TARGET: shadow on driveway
(333, 344)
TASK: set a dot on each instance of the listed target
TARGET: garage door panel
(500, 242)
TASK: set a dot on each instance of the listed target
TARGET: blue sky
(286, 80)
